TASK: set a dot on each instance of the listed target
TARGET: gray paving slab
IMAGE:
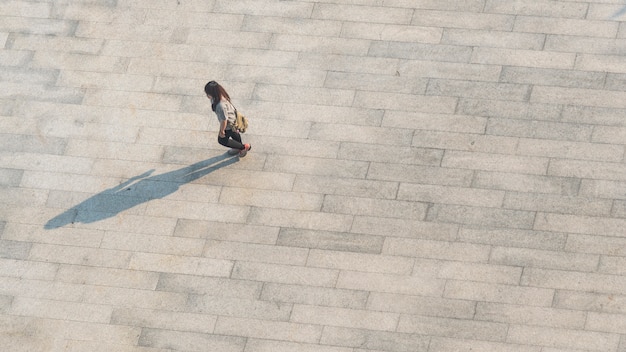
(426, 176)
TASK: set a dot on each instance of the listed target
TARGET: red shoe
(244, 151)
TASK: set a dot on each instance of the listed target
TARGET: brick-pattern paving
(426, 176)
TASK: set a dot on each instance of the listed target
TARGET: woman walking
(225, 111)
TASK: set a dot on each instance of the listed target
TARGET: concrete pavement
(426, 176)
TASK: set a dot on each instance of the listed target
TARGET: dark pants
(231, 139)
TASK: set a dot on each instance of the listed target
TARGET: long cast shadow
(135, 191)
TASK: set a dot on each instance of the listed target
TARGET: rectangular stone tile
(619, 209)
(271, 199)
(79, 255)
(495, 162)
(306, 147)
(16, 230)
(291, 94)
(180, 264)
(563, 338)
(391, 283)
(251, 7)
(285, 274)
(155, 319)
(237, 307)
(497, 293)
(345, 186)
(38, 26)
(456, 328)
(372, 340)
(546, 8)
(314, 296)
(374, 14)
(408, 228)
(256, 179)
(374, 135)
(430, 68)
(317, 44)
(272, 330)
(374, 263)
(602, 226)
(609, 323)
(412, 103)
(336, 241)
(152, 244)
(526, 258)
(578, 96)
(615, 81)
(584, 44)
(32, 144)
(190, 341)
(300, 219)
(557, 204)
(494, 272)
(105, 80)
(469, 20)
(419, 174)
(226, 231)
(588, 169)
(256, 345)
(421, 305)
(526, 315)
(491, 38)
(602, 63)
(255, 252)
(352, 318)
(510, 110)
(10, 177)
(573, 281)
(23, 196)
(565, 26)
(212, 286)
(342, 63)
(124, 151)
(18, 249)
(287, 25)
(328, 114)
(590, 302)
(422, 52)
(577, 150)
(61, 310)
(28, 269)
(514, 238)
(419, 248)
(434, 122)
(612, 265)
(527, 183)
(196, 210)
(523, 58)
(107, 276)
(552, 77)
(539, 129)
(441, 344)
(391, 32)
(597, 244)
(450, 195)
(609, 134)
(479, 90)
(135, 298)
(316, 166)
(139, 100)
(74, 330)
(481, 216)
(374, 207)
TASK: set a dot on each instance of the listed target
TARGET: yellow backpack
(241, 122)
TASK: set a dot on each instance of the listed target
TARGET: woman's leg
(232, 140)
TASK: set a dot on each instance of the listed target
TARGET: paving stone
(427, 176)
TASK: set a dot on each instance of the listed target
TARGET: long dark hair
(216, 91)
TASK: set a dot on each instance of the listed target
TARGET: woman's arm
(223, 124)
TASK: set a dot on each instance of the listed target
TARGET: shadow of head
(135, 191)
